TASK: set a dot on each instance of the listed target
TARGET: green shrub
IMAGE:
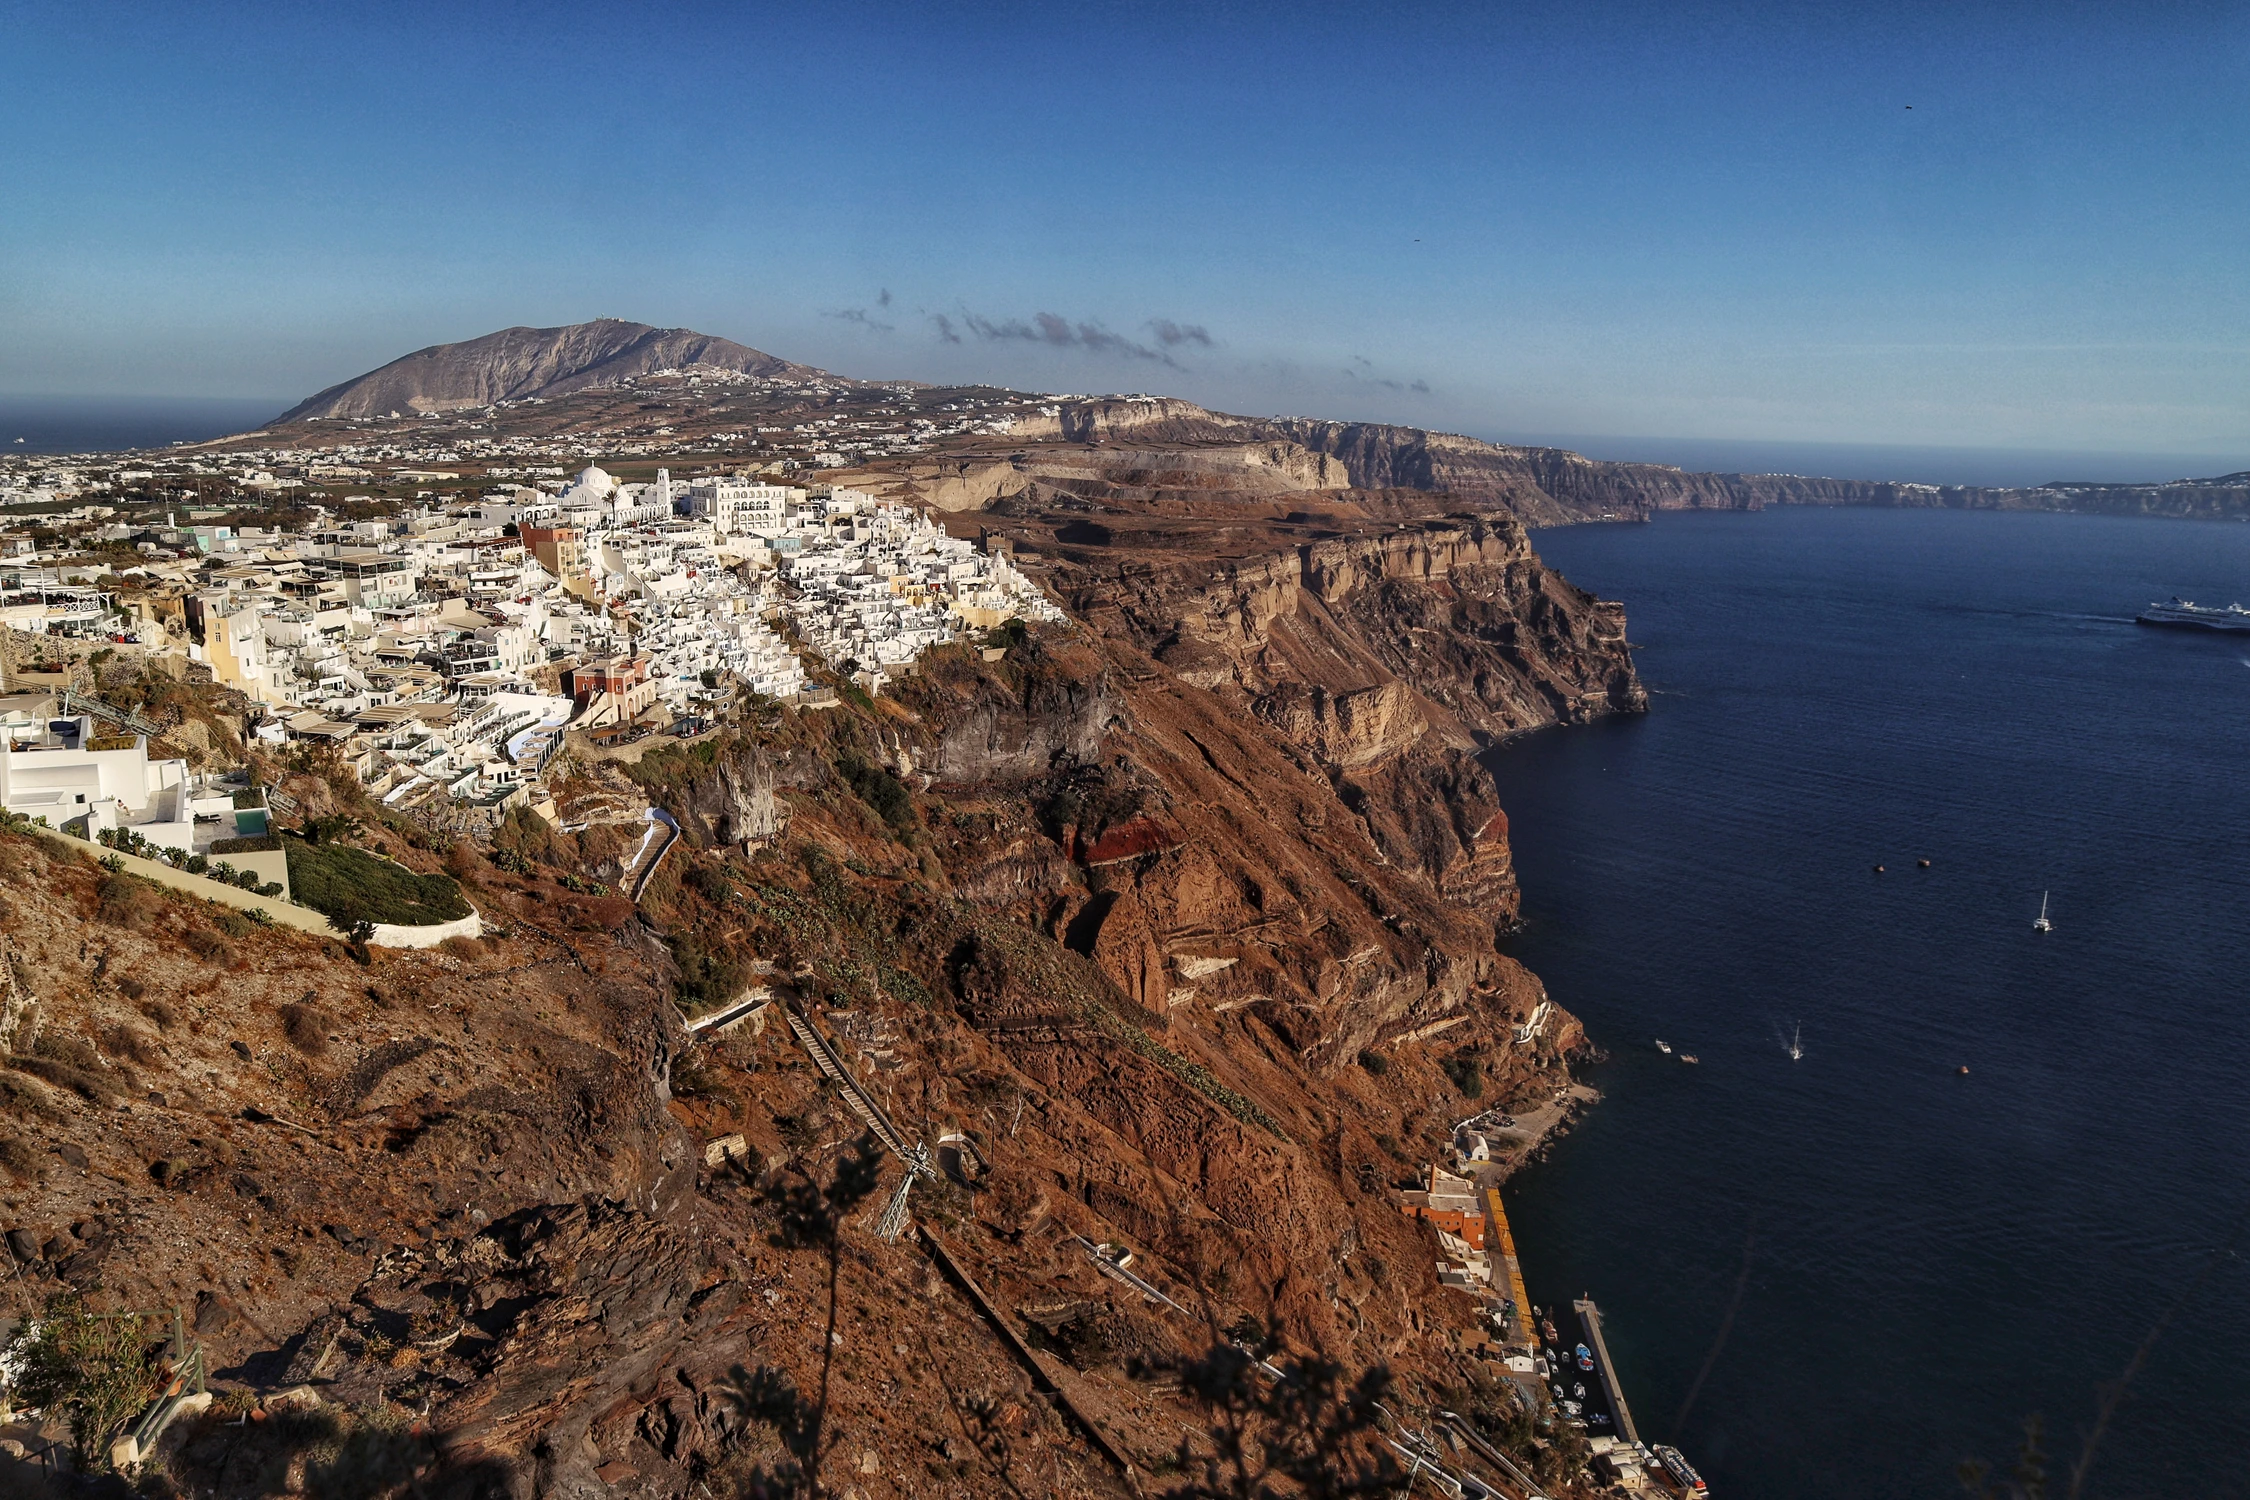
(709, 976)
(351, 886)
(1375, 1063)
(263, 843)
(876, 786)
(96, 1372)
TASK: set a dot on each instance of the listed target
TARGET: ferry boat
(2187, 612)
(1682, 1472)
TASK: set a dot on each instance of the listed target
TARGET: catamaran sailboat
(2042, 924)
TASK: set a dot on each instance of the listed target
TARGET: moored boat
(1682, 1472)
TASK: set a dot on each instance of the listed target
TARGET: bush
(95, 1372)
(1375, 1063)
(332, 828)
(708, 976)
(352, 886)
(17, 1155)
(1467, 1072)
(18, 1097)
(306, 1027)
(120, 1040)
(206, 945)
(62, 1047)
(263, 843)
(89, 1086)
(882, 791)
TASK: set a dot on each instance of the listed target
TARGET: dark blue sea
(1843, 1275)
(108, 424)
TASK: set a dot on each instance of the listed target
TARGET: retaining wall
(303, 918)
(287, 914)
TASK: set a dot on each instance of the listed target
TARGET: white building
(75, 771)
(743, 505)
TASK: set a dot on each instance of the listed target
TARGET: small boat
(1663, 1046)
(1796, 1048)
(2040, 923)
(1688, 1057)
(1585, 1357)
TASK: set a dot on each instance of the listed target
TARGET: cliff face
(1178, 921)
(518, 363)
(1553, 486)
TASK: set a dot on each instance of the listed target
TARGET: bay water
(1843, 1274)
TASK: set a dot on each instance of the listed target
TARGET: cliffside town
(967, 953)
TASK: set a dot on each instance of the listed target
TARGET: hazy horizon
(75, 424)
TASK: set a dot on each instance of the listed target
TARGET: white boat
(1663, 1046)
(2041, 924)
(2187, 612)
(1797, 1044)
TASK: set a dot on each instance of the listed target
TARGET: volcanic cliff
(1173, 928)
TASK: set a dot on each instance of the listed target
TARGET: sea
(107, 424)
(1999, 467)
(1846, 1273)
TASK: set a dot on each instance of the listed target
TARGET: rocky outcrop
(736, 803)
(517, 364)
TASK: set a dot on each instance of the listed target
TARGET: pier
(1590, 1319)
(1509, 1272)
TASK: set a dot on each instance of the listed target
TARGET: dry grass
(207, 945)
(20, 1096)
(123, 901)
(120, 1040)
(306, 1027)
(18, 1156)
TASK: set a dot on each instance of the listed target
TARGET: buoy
(1878, 869)
(1921, 864)
(1962, 1071)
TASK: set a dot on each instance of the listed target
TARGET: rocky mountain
(520, 363)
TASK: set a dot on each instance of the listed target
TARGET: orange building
(558, 549)
(1450, 1203)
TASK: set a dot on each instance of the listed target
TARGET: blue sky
(1687, 220)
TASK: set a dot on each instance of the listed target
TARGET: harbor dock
(1590, 1319)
